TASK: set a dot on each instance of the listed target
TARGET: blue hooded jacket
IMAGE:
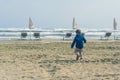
(79, 40)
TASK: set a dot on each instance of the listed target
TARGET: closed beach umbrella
(31, 25)
(115, 27)
(74, 26)
(114, 24)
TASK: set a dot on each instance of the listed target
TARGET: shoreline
(55, 40)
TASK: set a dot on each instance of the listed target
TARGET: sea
(53, 33)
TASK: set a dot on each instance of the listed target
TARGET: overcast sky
(59, 13)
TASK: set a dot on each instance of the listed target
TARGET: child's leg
(77, 54)
(77, 57)
(81, 54)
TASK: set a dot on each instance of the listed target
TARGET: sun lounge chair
(107, 35)
(83, 34)
(23, 35)
(36, 35)
(67, 36)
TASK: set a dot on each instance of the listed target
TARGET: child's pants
(78, 51)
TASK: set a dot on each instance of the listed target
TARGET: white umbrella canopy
(74, 25)
(114, 24)
(31, 25)
(115, 28)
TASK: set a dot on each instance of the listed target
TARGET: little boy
(79, 41)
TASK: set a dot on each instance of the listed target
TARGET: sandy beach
(55, 60)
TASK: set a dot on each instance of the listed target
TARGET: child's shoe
(81, 59)
(77, 57)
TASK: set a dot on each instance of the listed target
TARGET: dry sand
(48, 60)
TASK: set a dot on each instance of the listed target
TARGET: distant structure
(114, 27)
(31, 25)
(114, 24)
(74, 25)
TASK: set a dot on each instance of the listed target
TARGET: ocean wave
(55, 33)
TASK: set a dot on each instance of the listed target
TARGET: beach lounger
(67, 36)
(83, 34)
(107, 35)
(36, 35)
(23, 35)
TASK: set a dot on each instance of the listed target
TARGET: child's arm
(84, 39)
(73, 43)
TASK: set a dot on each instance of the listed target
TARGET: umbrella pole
(30, 34)
(114, 35)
